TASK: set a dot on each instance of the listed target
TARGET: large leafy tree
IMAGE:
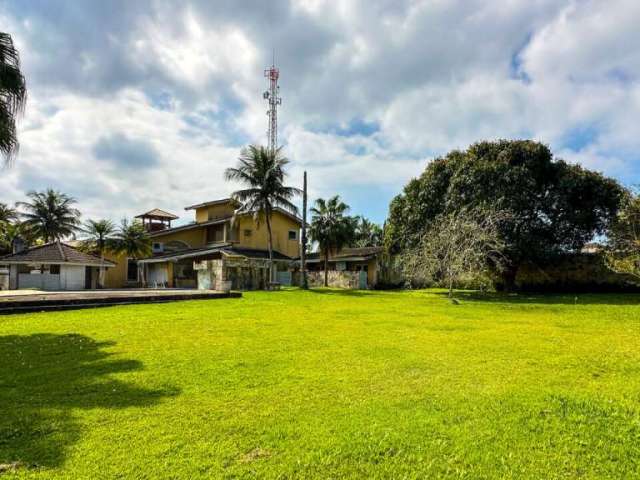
(13, 95)
(262, 172)
(50, 215)
(98, 238)
(552, 206)
(331, 228)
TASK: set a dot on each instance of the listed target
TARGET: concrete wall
(259, 237)
(212, 212)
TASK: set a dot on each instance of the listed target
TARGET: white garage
(53, 266)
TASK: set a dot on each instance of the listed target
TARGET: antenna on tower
(273, 99)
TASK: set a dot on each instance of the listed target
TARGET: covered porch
(219, 268)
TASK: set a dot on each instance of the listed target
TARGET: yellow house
(215, 249)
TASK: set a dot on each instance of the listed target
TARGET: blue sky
(136, 105)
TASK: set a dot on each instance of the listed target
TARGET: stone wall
(336, 279)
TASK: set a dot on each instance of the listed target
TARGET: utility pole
(303, 244)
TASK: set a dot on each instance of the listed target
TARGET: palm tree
(131, 239)
(367, 233)
(7, 214)
(98, 239)
(50, 215)
(331, 228)
(261, 171)
(13, 95)
(10, 233)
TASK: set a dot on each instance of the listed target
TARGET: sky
(138, 105)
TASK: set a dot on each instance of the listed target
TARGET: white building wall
(72, 277)
(42, 281)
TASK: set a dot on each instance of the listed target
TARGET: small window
(293, 235)
(54, 269)
(247, 232)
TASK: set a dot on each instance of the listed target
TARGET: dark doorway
(87, 278)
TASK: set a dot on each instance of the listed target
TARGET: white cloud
(423, 76)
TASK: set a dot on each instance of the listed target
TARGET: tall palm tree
(331, 227)
(262, 172)
(13, 95)
(98, 238)
(131, 239)
(50, 215)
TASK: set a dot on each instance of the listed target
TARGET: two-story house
(217, 246)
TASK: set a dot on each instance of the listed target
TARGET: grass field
(326, 384)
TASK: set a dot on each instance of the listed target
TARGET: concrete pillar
(13, 277)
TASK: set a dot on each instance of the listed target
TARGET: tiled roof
(55, 252)
(255, 253)
(157, 213)
(195, 253)
(209, 204)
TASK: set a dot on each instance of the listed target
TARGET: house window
(247, 232)
(54, 269)
(132, 270)
(293, 235)
(215, 234)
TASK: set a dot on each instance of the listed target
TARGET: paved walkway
(18, 301)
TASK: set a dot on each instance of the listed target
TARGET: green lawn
(326, 384)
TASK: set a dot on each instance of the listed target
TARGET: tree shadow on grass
(548, 298)
(44, 378)
(344, 292)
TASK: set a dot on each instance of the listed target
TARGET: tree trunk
(270, 236)
(101, 271)
(509, 278)
(450, 287)
(326, 268)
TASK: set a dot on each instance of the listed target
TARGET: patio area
(21, 301)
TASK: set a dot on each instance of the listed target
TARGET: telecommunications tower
(272, 96)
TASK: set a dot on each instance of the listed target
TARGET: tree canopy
(331, 227)
(13, 95)
(50, 215)
(552, 206)
(367, 233)
(131, 239)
